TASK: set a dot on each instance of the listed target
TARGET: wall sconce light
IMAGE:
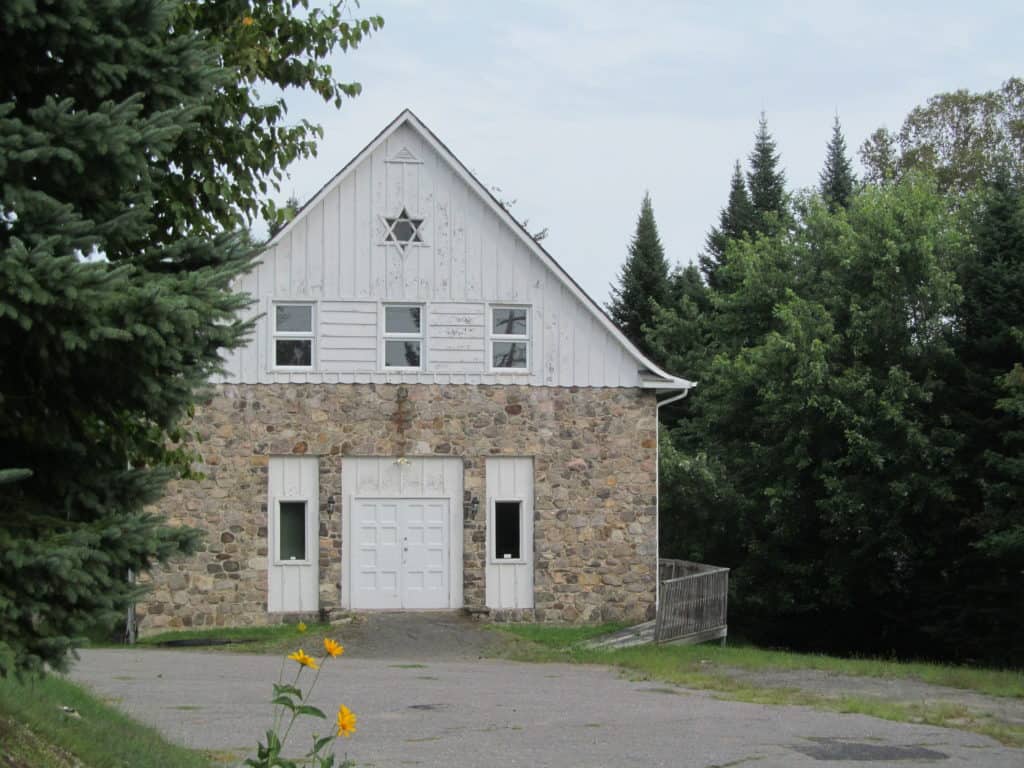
(330, 505)
(474, 506)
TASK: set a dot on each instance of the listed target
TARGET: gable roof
(652, 376)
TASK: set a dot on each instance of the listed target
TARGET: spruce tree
(110, 322)
(734, 222)
(836, 181)
(766, 182)
(643, 281)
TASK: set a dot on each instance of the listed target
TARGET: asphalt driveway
(470, 713)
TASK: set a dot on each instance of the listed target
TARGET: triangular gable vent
(403, 156)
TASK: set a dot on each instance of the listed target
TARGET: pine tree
(643, 280)
(734, 222)
(766, 182)
(837, 180)
(109, 321)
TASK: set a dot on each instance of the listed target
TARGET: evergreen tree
(837, 180)
(643, 281)
(109, 320)
(980, 401)
(734, 221)
(766, 182)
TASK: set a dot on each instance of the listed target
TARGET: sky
(576, 108)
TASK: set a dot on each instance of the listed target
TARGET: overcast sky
(575, 108)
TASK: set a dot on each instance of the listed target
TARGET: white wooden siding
(293, 587)
(334, 255)
(510, 585)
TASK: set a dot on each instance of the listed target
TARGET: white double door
(400, 553)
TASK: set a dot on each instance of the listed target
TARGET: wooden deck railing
(693, 603)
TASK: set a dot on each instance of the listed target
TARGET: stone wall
(594, 451)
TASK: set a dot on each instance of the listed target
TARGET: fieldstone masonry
(594, 452)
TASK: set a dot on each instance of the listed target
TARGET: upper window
(510, 338)
(403, 336)
(293, 335)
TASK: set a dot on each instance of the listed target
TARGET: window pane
(294, 352)
(508, 354)
(509, 322)
(401, 354)
(292, 530)
(506, 530)
(402, 319)
(294, 318)
(404, 231)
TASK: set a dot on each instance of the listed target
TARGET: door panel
(426, 557)
(377, 555)
(400, 556)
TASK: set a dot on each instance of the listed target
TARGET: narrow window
(291, 529)
(293, 335)
(403, 336)
(507, 522)
(510, 338)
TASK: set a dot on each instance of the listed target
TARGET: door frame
(455, 540)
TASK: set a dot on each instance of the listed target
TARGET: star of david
(403, 230)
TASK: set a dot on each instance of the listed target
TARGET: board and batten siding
(334, 255)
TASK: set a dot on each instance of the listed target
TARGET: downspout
(657, 493)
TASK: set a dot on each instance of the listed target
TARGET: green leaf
(284, 701)
(307, 709)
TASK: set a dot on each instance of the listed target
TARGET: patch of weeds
(272, 638)
(186, 708)
(408, 666)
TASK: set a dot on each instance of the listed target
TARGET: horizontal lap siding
(348, 336)
(455, 337)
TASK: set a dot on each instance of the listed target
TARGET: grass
(661, 660)
(36, 733)
(712, 668)
(274, 638)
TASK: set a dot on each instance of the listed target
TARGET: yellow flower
(301, 626)
(303, 659)
(247, 21)
(346, 721)
(333, 647)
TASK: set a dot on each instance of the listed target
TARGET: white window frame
(492, 540)
(385, 337)
(276, 522)
(276, 335)
(493, 337)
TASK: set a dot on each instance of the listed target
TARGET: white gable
(468, 255)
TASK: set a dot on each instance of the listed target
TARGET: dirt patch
(419, 637)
